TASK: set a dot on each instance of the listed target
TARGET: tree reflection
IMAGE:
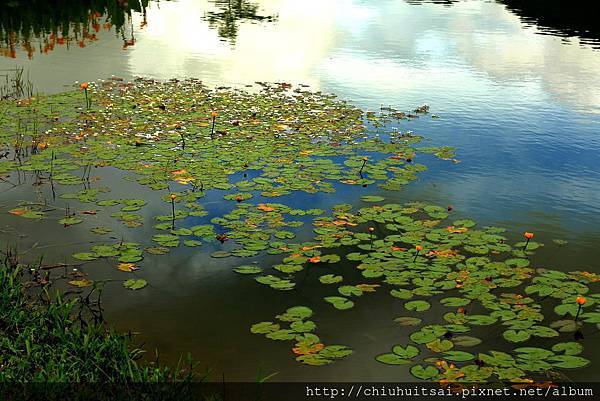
(550, 16)
(230, 13)
(44, 24)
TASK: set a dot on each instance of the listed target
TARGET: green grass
(45, 338)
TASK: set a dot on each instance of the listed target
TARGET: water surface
(518, 95)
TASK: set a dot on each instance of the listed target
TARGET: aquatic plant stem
(363, 165)
(578, 311)
(173, 213)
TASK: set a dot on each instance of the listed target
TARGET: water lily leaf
(466, 341)
(158, 250)
(568, 348)
(298, 313)
(264, 327)
(438, 345)
(313, 360)
(568, 361)
(401, 293)
(372, 198)
(455, 302)
(135, 284)
(303, 327)
(423, 337)
(340, 303)
(542, 331)
(330, 279)
(516, 336)
(127, 267)
(564, 326)
(348, 290)
(392, 359)
(248, 269)
(417, 306)
(483, 320)
(408, 320)
(220, 254)
(408, 352)
(70, 221)
(101, 230)
(84, 282)
(533, 353)
(424, 373)
(281, 334)
(591, 317)
(85, 256)
(464, 223)
(335, 351)
(564, 309)
(458, 356)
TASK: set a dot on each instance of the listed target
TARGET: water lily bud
(84, 85)
(419, 248)
(214, 114)
(173, 197)
(581, 300)
(371, 229)
(528, 235)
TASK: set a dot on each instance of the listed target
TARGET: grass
(46, 338)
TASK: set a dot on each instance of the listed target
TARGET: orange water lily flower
(419, 248)
(581, 300)
(214, 114)
(84, 85)
(528, 235)
(173, 197)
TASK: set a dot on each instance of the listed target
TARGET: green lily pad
(135, 284)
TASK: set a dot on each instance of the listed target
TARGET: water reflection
(549, 16)
(45, 25)
(231, 13)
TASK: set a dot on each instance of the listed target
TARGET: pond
(514, 89)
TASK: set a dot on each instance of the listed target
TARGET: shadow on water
(551, 17)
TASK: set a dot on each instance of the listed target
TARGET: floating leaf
(340, 302)
(372, 198)
(458, 356)
(248, 269)
(417, 306)
(264, 327)
(330, 279)
(84, 282)
(135, 284)
(408, 352)
(408, 320)
(392, 359)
